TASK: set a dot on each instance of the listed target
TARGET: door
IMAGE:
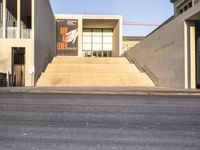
(18, 66)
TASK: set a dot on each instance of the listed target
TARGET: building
(181, 6)
(89, 35)
(31, 35)
(27, 39)
(172, 51)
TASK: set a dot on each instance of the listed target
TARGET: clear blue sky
(153, 11)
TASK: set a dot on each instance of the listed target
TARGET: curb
(134, 92)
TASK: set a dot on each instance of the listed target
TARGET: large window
(97, 42)
(26, 19)
(1, 18)
(11, 18)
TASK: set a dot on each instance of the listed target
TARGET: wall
(117, 39)
(164, 51)
(129, 42)
(44, 34)
(5, 53)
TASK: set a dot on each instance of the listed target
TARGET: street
(98, 122)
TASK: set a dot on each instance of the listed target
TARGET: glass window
(107, 39)
(97, 39)
(26, 19)
(87, 39)
(11, 18)
(96, 32)
(97, 47)
(107, 47)
(87, 46)
(98, 42)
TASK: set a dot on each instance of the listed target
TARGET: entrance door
(198, 52)
(18, 66)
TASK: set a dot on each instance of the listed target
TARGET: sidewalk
(102, 90)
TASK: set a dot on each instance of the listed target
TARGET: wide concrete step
(94, 79)
(80, 60)
(91, 68)
(76, 71)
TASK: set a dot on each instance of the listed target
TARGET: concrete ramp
(75, 71)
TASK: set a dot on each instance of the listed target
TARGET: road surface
(99, 122)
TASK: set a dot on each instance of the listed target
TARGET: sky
(150, 11)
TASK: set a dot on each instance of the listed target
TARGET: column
(192, 56)
(4, 18)
(33, 15)
(18, 18)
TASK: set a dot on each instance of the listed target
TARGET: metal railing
(11, 32)
(144, 69)
(25, 33)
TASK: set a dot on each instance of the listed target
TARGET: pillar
(192, 57)
(18, 18)
(4, 18)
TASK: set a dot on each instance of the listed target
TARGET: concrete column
(18, 18)
(33, 7)
(192, 57)
(80, 37)
(4, 18)
(186, 41)
(193, 2)
(120, 35)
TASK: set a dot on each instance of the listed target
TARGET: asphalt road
(99, 122)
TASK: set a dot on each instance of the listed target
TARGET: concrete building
(172, 52)
(40, 48)
(31, 35)
(89, 35)
(88, 54)
(27, 39)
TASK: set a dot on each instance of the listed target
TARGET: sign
(31, 70)
(67, 37)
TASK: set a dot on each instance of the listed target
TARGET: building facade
(89, 35)
(31, 35)
(27, 39)
(172, 51)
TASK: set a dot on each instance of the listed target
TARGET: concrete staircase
(75, 71)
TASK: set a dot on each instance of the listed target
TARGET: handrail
(144, 69)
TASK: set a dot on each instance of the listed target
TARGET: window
(25, 19)
(11, 18)
(98, 42)
(185, 8)
(190, 5)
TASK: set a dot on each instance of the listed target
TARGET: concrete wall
(165, 51)
(117, 39)
(44, 34)
(129, 42)
(6, 55)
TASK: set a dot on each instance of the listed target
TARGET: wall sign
(67, 37)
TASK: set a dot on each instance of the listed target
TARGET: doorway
(18, 66)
